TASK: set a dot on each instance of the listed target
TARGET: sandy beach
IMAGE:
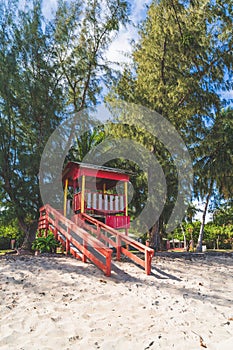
(52, 303)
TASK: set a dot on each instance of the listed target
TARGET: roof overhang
(96, 175)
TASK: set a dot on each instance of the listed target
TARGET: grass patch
(4, 251)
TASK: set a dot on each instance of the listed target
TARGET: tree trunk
(201, 233)
(155, 237)
(30, 236)
(185, 241)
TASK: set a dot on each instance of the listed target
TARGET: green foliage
(223, 214)
(85, 143)
(215, 236)
(47, 68)
(10, 231)
(83, 32)
(220, 237)
(30, 105)
(9, 228)
(191, 231)
(214, 161)
(181, 64)
(116, 132)
(214, 157)
(45, 244)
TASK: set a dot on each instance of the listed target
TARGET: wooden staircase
(87, 238)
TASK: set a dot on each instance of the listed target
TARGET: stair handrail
(47, 222)
(121, 237)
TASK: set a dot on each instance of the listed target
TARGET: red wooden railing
(75, 239)
(111, 237)
(100, 202)
(117, 222)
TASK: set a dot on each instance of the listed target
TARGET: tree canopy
(180, 66)
(48, 67)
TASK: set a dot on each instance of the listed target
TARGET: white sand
(62, 303)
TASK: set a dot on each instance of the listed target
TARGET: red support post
(118, 241)
(84, 258)
(108, 264)
(98, 231)
(148, 258)
(68, 242)
(55, 228)
(47, 225)
(67, 246)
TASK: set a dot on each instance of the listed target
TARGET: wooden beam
(65, 196)
(126, 197)
(83, 194)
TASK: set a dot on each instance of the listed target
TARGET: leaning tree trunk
(201, 233)
(155, 237)
(184, 235)
(29, 237)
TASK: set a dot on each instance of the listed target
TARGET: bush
(5, 243)
(225, 245)
(9, 230)
(46, 244)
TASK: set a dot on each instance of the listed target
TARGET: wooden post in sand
(65, 197)
(83, 194)
(148, 258)
(118, 241)
(67, 243)
(84, 258)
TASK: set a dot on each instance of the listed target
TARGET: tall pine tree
(182, 62)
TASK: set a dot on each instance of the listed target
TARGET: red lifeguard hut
(92, 189)
(94, 212)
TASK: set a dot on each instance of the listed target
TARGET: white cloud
(49, 6)
(227, 94)
(122, 44)
(138, 9)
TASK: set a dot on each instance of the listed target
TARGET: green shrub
(46, 244)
